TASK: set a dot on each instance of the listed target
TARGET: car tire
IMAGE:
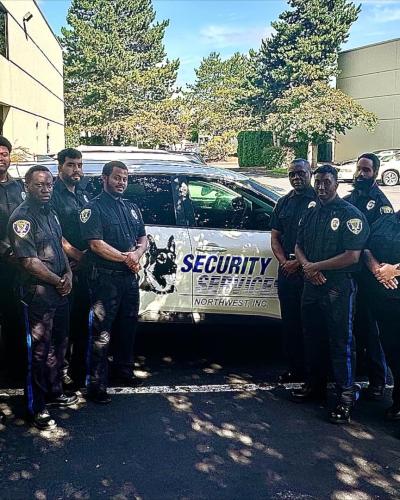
(390, 178)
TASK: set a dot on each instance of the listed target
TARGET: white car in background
(389, 172)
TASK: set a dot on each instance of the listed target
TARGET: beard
(362, 184)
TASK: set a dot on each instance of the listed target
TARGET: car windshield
(270, 192)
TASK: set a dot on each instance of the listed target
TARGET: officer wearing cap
(284, 224)
(382, 256)
(117, 239)
(330, 240)
(12, 193)
(67, 201)
(36, 241)
(372, 202)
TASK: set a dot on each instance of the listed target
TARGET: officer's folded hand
(64, 286)
(290, 267)
(386, 272)
(313, 274)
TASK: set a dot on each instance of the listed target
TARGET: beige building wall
(31, 83)
(371, 75)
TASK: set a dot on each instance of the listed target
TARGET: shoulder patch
(23, 195)
(335, 223)
(21, 228)
(386, 210)
(370, 204)
(312, 204)
(355, 225)
(85, 215)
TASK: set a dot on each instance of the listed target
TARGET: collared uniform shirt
(329, 230)
(287, 214)
(384, 243)
(116, 221)
(68, 206)
(34, 231)
(12, 194)
(373, 204)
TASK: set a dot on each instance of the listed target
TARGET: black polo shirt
(34, 231)
(372, 204)
(384, 243)
(329, 230)
(12, 194)
(287, 214)
(68, 206)
(114, 220)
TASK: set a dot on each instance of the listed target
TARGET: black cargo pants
(328, 312)
(113, 317)
(79, 303)
(290, 289)
(370, 356)
(387, 311)
(46, 316)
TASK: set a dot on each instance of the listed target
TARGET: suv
(209, 240)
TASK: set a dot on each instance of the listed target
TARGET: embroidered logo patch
(23, 195)
(21, 228)
(312, 204)
(386, 210)
(370, 204)
(85, 215)
(355, 225)
(134, 214)
(335, 223)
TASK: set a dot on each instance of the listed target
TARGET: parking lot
(393, 193)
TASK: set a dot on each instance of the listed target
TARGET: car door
(233, 268)
(164, 288)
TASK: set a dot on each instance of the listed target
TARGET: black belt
(114, 271)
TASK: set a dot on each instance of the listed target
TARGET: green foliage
(315, 113)
(251, 147)
(303, 48)
(115, 65)
(220, 146)
(217, 97)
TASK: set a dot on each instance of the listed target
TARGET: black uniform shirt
(287, 214)
(116, 221)
(373, 204)
(12, 194)
(384, 243)
(34, 231)
(329, 230)
(68, 206)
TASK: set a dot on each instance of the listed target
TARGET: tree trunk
(312, 154)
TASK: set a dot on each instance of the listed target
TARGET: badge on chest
(335, 223)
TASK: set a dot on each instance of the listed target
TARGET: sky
(198, 27)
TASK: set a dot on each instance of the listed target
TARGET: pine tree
(304, 47)
(115, 63)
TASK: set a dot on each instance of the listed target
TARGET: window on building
(3, 32)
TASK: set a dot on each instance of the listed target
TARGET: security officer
(329, 243)
(67, 201)
(372, 202)
(12, 193)
(382, 257)
(116, 235)
(35, 237)
(284, 224)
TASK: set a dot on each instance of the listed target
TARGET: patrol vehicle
(209, 249)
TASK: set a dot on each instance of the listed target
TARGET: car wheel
(390, 178)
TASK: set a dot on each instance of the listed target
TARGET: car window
(153, 195)
(220, 207)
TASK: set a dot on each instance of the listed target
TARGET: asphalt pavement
(209, 422)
